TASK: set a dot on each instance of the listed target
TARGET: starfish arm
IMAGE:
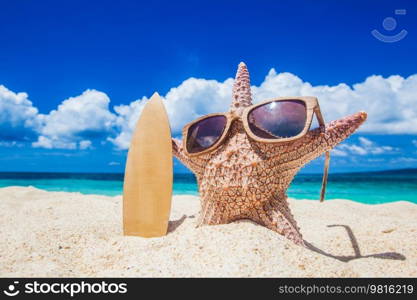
(339, 130)
(275, 214)
(195, 164)
(286, 159)
(323, 139)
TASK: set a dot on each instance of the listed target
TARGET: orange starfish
(246, 179)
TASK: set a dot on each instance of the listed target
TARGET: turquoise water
(371, 187)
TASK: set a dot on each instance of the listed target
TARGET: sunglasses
(273, 121)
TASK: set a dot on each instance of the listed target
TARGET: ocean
(369, 187)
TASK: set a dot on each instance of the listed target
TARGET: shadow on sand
(356, 250)
(173, 225)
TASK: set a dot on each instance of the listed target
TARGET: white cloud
(365, 147)
(365, 142)
(127, 116)
(337, 152)
(85, 144)
(18, 117)
(405, 160)
(76, 121)
(391, 104)
(197, 97)
(191, 99)
(10, 144)
(47, 143)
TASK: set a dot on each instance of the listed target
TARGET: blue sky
(102, 59)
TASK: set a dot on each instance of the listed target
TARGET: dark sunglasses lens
(204, 134)
(278, 119)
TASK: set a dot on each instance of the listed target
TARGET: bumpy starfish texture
(246, 179)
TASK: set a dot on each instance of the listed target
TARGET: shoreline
(197, 196)
(62, 234)
(365, 187)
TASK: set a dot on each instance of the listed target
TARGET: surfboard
(147, 188)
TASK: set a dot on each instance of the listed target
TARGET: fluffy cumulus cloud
(80, 121)
(390, 102)
(76, 122)
(127, 116)
(190, 100)
(19, 119)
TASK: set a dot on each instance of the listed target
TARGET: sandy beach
(70, 234)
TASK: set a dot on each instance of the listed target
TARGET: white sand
(69, 234)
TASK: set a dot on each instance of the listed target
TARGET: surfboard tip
(155, 96)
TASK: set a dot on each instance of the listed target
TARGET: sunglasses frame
(312, 107)
(311, 104)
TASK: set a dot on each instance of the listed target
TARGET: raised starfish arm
(320, 140)
(288, 158)
(316, 142)
(196, 164)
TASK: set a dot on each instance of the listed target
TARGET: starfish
(246, 179)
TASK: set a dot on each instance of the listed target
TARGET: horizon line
(189, 173)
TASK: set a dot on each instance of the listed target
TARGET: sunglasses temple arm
(327, 158)
(325, 175)
(319, 116)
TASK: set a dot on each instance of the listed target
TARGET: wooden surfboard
(147, 188)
